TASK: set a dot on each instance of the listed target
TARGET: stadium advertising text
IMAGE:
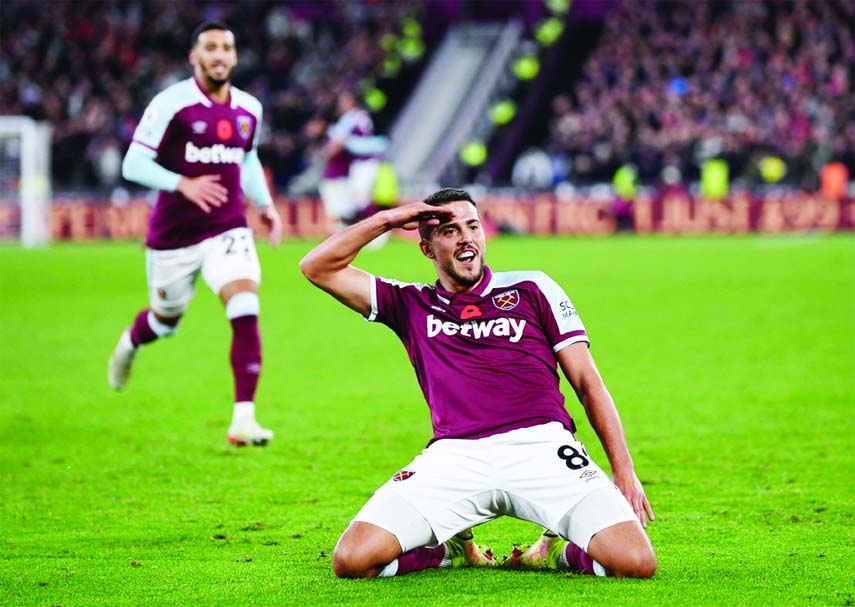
(670, 212)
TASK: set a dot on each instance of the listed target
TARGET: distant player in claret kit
(196, 144)
(352, 151)
(485, 346)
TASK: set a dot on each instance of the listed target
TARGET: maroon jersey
(353, 122)
(485, 360)
(189, 133)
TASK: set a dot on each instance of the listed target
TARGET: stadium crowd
(669, 84)
(90, 67)
(673, 83)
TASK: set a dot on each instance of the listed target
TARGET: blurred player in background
(196, 144)
(485, 347)
(353, 157)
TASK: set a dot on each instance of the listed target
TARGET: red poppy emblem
(224, 130)
(470, 312)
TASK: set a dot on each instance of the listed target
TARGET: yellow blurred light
(474, 153)
(526, 67)
(503, 112)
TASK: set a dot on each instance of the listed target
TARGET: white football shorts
(335, 197)
(540, 474)
(360, 182)
(220, 259)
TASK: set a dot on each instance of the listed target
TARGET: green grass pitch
(732, 360)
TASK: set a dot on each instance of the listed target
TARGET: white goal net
(25, 182)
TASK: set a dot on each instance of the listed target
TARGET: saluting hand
(204, 191)
(411, 216)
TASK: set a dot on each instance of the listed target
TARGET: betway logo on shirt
(477, 329)
(215, 154)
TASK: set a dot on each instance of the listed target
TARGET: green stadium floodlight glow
(411, 49)
(503, 112)
(412, 28)
(386, 192)
(388, 42)
(715, 180)
(526, 67)
(549, 30)
(391, 66)
(559, 7)
(375, 99)
(624, 182)
(473, 154)
(772, 169)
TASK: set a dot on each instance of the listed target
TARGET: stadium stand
(661, 85)
(90, 68)
(669, 85)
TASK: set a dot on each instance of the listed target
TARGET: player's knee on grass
(347, 564)
(364, 550)
(624, 550)
(352, 561)
(636, 562)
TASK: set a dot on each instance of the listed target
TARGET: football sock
(417, 559)
(243, 410)
(245, 356)
(577, 560)
(147, 328)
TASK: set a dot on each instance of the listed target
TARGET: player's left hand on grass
(270, 217)
(631, 488)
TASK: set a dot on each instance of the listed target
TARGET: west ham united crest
(402, 475)
(507, 300)
(244, 124)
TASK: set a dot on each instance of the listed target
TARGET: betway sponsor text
(500, 327)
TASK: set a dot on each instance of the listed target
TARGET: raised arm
(579, 368)
(327, 266)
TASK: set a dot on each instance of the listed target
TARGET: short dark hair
(207, 26)
(440, 198)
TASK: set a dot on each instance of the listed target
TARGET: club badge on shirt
(244, 124)
(507, 300)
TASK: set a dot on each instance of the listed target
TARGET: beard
(212, 81)
(468, 280)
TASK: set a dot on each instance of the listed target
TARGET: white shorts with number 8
(540, 474)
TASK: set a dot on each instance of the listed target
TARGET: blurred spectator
(533, 170)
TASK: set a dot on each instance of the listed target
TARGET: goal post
(25, 175)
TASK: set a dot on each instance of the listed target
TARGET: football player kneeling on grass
(485, 346)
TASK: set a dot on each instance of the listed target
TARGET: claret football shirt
(189, 133)
(485, 360)
(354, 122)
